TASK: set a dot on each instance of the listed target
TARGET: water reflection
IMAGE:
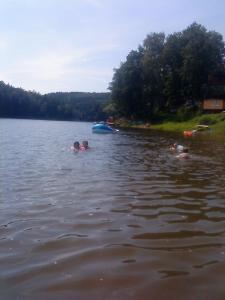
(124, 220)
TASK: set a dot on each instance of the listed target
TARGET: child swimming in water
(176, 147)
(76, 146)
(84, 145)
(183, 154)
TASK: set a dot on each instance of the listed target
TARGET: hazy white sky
(73, 45)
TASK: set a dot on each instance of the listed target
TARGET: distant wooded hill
(78, 106)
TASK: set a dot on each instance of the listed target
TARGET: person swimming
(183, 154)
(176, 147)
(84, 145)
(76, 146)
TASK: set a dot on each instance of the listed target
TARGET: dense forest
(18, 103)
(169, 74)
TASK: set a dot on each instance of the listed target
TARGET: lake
(125, 219)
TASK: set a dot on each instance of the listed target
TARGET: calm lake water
(124, 220)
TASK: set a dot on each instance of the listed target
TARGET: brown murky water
(124, 220)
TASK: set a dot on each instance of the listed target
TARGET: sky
(74, 45)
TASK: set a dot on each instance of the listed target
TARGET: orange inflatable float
(188, 133)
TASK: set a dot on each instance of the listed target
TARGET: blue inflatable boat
(102, 128)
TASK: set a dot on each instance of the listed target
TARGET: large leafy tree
(126, 86)
(152, 68)
(172, 63)
(166, 73)
(202, 55)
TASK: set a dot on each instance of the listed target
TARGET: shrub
(221, 116)
(184, 114)
(208, 120)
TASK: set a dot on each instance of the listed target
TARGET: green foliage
(17, 103)
(216, 123)
(126, 87)
(184, 114)
(110, 109)
(210, 119)
(221, 116)
(167, 73)
(219, 127)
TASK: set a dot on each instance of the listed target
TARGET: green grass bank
(216, 123)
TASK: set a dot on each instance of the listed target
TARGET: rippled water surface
(124, 220)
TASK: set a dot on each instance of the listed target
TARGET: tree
(202, 54)
(126, 86)
(152, 68)
(18, 103)
(172, 63)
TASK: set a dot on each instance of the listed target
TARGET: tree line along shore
(164, 82)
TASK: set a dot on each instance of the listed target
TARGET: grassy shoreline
(216, 123)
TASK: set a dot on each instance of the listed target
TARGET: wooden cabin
(214, 104)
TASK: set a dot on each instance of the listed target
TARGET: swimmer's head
(85, 144)
(76, 145)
